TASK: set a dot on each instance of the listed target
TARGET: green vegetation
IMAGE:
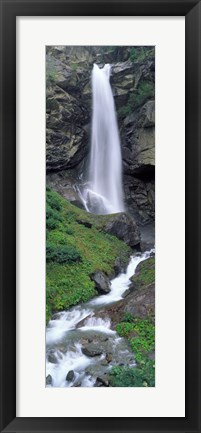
(139, 54)
(61, 254)
(133, 377)
(51, 77)
(145, 274)
(74, 66)
(141, 336)
(144, 92)
(74, 252)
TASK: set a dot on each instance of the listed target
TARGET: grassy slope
(74, 251)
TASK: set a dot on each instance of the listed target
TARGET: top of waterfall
(106, 68)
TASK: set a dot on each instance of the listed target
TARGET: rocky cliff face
(68, 114)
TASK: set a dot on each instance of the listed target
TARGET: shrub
(51, 77)
(144, 92)
(140, 334)
(133, 54)
(53, 199)
(133, 377)
(127, 317)
(61, 254)
(74, 66)
(53, 217)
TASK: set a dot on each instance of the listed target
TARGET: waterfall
(105, 192)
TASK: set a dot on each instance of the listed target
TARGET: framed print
(100, 231)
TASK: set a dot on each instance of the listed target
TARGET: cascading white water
(105, 194)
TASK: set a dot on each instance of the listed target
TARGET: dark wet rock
(103, 380)
(98, 384)
(139, 304)
(127, 292)
(52, 357)
(104, 363)
(124, 227)
(151, 356)
(108, 357)
(87, 224)
(102, 282)
(77, 384)
(91, 350)
(49, 380)
(70, 376)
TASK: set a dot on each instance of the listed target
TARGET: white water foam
(64, 322)
(72, 360)
(98, 324)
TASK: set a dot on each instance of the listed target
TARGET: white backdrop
(167, 398)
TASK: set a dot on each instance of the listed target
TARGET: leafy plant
(61, 254)
(51, 77)
(140, 334)
(133, 377)
(128, 317)
(146, 273)
(74, 66)
(144, 91)
(133, 54)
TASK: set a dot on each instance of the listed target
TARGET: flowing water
(71, 332)
(104, 192)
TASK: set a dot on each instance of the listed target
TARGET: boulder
(91, 350)
(104, 381)
(102, 282)
(49, 380)
(124, 227)
(70, 376)
(51, 357)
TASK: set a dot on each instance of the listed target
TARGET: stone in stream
(91, 350)
(52, 357)
(102, 282)
(49, 380)
(104, 363)
(70, 376)
(108, 357)
(77, 384)
(103, 380)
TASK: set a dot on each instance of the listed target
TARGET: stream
(81, 347)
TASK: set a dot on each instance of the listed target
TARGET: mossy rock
(145, 274)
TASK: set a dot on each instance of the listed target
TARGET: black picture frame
(191, 9)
